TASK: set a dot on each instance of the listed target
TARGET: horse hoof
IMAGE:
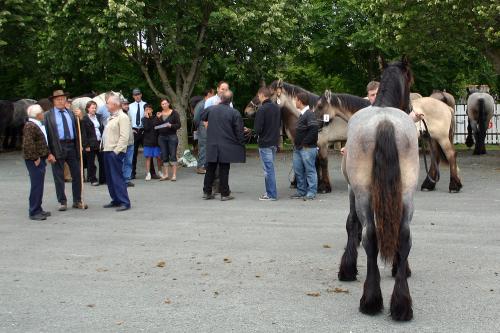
(347, 275)
(427, 185)
(455, 186)
(371, 305)
(401, 309)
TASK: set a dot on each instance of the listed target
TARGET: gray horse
(480, 109)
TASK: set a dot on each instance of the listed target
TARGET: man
(64, 145)
(201, 132)
(222, 88)
(267, 126)
(136, 113)
(103, 109)
(115, 139)
(371, 90)
(305, 150)
(129, 155)
(225, 144)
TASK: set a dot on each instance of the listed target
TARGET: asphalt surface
(241, 265)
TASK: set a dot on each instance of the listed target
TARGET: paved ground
(243, 265)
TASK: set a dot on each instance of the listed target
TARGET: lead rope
(425, 134)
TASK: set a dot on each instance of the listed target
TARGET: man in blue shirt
(64, 145)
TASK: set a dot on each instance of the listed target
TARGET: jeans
(304, 165)
(202, 147)
(127, 164)
(267, 156)
(37, 177)
(168, 146)
(117, 185)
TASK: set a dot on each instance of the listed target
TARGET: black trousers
(71, 158)
(91, 168)
(37, 178)
(223, 178)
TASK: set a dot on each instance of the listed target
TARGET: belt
(67, 141)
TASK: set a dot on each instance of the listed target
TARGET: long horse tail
(469, 141)
(481, 119)
(386, 190)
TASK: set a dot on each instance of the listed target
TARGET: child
(151, 148)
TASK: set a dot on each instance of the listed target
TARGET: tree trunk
(183, 133)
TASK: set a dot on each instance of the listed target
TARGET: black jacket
(306, 134)
(89, 138)
(267, 124)
(150, 134)
(225, 140)
(174, 119)
(54, 144)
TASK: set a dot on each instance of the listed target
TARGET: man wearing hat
(63, 141)
(136, 113)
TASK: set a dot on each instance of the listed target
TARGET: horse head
(252, 107)
(395, 83)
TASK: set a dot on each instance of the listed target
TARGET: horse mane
(390, 92)
(347, 101)
(293, 90)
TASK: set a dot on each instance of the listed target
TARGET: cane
(81, 158)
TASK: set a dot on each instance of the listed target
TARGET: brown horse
(333, 130)
(381, 166)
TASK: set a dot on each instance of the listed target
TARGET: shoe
(226, 198)
(307, 198)
(94, 183)
(173, 179)
(111, 205)
(164, 178)
(207, 196)
(155, 176)
(38, 217)
(68, 180)
(266, 198)
(296, 196)
(46, 214)
(80, 205)
(130, 184)
(132, 176)
(62, 208)
(201, 171)
(122, 208)
(148, 176)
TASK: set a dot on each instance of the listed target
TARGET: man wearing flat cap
(136, 113)
(64, 145)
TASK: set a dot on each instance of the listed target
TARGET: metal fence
(461, 121)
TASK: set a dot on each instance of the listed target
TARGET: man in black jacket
(225, 144)
(305, 150)
(267, 126)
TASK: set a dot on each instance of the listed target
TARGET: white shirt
(41, 126)
(214, 100)
(132, 113)
(304, 110)
(96, 126)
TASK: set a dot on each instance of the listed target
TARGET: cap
(136, 91)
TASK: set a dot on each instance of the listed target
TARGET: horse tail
(469, 141)
(481, 119)
(386, 190)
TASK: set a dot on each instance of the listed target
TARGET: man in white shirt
(136, 113)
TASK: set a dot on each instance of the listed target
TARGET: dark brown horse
(381, 166)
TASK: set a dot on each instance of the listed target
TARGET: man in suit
(136, 113)
(115, 140)
(92, 129)
(225, 144)
(64, 145)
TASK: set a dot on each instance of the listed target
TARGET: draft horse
(381, 166)
(480, 109)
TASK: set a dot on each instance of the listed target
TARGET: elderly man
(64, 145)
(225, 144)
(115, 140)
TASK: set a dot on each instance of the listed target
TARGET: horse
(440, 120)
(6, 116)
(480, 109)
(81, 102)
(14, 116)
(283, 95)
(381, 166)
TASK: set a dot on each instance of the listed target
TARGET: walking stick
(81, 159)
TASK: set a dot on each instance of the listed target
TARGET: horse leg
(469, 141)
(371, 302)
(395, 263)
(432, 178)
(451, 156)
(348, 266)
(401, 302)
(323, 181)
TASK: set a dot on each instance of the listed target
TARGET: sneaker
(80, 205)
(94, 183)
(201, 171)
(308, 198)
(264, 197)
(46, 214)
(226, 198)
(38, 217)
(296, 196)
(207, 196)
(148, 176)
(63, 207)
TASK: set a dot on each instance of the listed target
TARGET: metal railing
(461, 121)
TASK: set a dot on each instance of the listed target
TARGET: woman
(35, 153)
(151, 148)
(167, 123)
(92, 129)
